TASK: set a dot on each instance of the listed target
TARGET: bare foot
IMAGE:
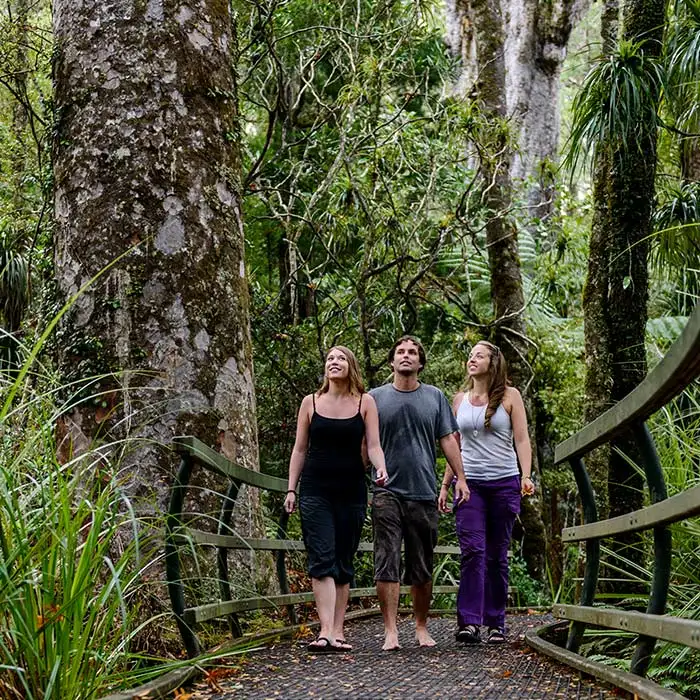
(391, 641)
(423, 637)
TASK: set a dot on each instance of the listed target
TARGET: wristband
(292, 491)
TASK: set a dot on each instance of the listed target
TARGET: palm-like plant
(677, 223)
(14, 288)
(683, 60)
(677, 219)
(618, 99)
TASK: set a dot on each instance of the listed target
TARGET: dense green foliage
(364, 219)
(364, 216)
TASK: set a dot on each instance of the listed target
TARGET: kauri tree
(147, 206)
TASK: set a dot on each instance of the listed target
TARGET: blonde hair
(498, 380)
(355, 383)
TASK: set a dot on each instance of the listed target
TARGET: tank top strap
(359, 405)
(313, 400)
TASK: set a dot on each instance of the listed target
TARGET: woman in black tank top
(328, 465)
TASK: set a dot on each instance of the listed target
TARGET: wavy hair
(498, 380)
(355, 384)
(421, 350)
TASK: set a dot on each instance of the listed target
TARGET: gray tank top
(486, 454)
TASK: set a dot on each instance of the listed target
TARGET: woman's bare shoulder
(511, 397)
(368, 399)
(368, 405)
(307, 403)
(512, 394)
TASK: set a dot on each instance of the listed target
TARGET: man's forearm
(447, 477)
(454, 459)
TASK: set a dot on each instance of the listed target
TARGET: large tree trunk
(615, 299)
(598, 355)
(690, 159)
(631, 198)
(535, 36)
(484, 40)
(146, 161)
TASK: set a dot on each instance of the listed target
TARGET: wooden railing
(669, 378)
(195, 454)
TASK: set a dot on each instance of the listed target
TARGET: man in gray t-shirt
(413, 417)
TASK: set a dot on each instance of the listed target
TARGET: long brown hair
(498, 380)
(355, 383)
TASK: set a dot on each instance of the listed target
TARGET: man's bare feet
(423, 637)
(391, 641)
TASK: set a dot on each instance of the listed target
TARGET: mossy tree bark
(690, 159)
(146, 168)
(598, 358)
(615, 297)
(486, 28)
(598, 354)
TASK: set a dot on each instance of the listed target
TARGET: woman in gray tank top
(493, 439)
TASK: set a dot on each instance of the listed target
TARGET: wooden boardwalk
(286, 669)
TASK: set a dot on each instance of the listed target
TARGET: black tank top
(333, 467)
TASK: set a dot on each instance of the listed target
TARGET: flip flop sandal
(469, 634)
(322, 645)
(342, 645)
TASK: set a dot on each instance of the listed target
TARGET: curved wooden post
(176, 588)
(222, 553)
(281, 564)
(590, 577)
(662, 547)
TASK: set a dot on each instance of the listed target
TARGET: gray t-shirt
(410, 424)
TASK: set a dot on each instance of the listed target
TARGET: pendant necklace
(475, 431)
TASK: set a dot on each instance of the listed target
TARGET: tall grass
(70, 557)
(676, 431)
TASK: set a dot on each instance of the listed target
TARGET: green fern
(665, 329)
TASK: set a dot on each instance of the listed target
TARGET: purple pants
(484, 526)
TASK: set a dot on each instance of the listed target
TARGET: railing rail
(670, 377)
(679, 367)
(180, 536)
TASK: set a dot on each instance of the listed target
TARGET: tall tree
(618, 111)
(146, 168)
(487, 36)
